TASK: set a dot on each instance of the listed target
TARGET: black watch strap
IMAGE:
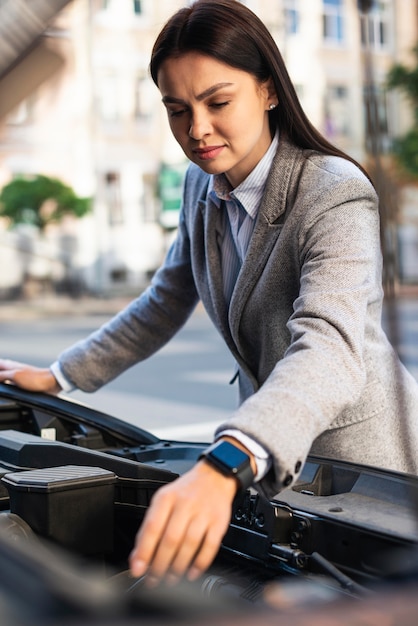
(231, 461)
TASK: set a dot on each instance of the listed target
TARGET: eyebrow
(201, 96)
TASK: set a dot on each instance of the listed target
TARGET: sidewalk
(60, 305)
(52, 305)
(48, 305)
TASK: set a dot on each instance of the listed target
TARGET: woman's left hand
(184, 526)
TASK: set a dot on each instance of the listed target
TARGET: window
(337, 112)
(332, 21)
(375, 25)
(291, 17)
(113, 198)
(117, 6)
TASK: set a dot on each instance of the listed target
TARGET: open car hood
(75, 484)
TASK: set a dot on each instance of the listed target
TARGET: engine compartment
(75, 484)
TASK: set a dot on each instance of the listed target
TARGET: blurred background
(77, 104)
(90, 177)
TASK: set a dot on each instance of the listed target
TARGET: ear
(270, 93)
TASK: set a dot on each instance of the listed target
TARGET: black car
(340, 545)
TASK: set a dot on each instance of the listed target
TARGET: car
(340, 544)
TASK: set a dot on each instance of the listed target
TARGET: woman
(279, 238)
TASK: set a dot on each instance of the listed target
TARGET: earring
(272, 106)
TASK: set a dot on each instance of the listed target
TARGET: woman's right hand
(28, 376)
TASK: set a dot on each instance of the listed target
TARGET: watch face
(231, 461)
(229, 456)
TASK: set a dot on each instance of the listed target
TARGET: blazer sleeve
(333, 248)
(142, 328)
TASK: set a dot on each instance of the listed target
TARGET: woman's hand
(183, 529)
(28, 377)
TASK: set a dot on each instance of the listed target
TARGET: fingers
(9, 364)
(182, 547)
(164, 543)
(192, 544)
(28, 377)
(8, 369)
(150, 533)
(208, 551)
(173, 552)
(184, 526)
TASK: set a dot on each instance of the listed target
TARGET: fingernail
(138, 568)
(193, 574)
(152, 581)
(171, 580)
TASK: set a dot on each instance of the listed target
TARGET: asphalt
(50, 304)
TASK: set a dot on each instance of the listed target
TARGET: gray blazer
(316, 371)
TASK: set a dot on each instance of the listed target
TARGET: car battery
(71, 505)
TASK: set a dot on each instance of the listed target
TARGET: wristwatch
(231, 461)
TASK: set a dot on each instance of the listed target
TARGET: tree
(406, 147)
(40, 200)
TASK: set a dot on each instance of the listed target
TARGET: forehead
(193, 73)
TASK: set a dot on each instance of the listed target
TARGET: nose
(199, 126)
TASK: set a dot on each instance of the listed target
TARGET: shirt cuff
(62, 380)
(261, 456)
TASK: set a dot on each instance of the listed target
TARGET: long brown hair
(229, 32)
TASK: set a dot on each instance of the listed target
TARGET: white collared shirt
(242, 206)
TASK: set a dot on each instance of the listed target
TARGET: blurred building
(97, 123)
(325, 44)
(96, 120)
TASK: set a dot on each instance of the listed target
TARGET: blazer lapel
(267, 229)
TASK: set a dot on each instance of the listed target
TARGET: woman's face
(218, 114)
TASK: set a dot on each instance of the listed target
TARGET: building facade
(98, 124)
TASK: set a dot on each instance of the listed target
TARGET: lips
(207, 153)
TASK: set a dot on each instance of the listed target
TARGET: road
(182, 392)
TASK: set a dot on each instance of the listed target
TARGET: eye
(176, 113)
(219, 105)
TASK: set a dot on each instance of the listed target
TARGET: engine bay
(75, 484)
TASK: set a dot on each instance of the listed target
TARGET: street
(183, 391)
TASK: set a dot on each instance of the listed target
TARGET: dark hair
(229, 32)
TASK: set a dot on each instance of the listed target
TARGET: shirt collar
(250, 192)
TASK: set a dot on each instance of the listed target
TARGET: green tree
(406, 79)
(40, 200)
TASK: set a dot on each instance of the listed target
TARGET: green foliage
(40, 200)
(406, 150)
(406, 79)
